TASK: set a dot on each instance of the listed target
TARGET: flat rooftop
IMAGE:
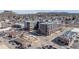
(75, 30)
(47, 23)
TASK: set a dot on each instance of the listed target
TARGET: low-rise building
(66, 39)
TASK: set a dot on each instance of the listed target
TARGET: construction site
(39, 31)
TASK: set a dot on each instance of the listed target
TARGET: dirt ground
(2, 46)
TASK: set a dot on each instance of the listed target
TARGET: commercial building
(30, 25)
(65, 39)
(48, 28)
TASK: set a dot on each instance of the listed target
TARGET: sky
(35, 11)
